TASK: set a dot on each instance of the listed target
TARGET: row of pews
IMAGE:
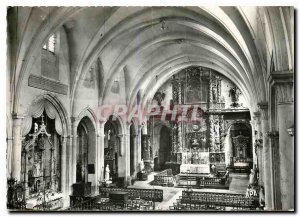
(114, 199)
(214, 201)
(155, 195)
(106, 204)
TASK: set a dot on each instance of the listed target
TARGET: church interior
(150, 109)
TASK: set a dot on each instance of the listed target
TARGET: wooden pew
(155, 195)
(219, 199)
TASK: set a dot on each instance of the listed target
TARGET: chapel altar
(201, 145)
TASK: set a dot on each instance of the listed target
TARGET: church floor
(238, 184)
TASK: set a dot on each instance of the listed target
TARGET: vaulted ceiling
(150, 44)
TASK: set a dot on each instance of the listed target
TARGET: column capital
(17, 119)
(278, 77)
(283, 83)
(101, 123)
(75, 121)
(66, 136)
(121, 135)
(263, 106)
(17, 116)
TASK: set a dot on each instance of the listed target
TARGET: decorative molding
(277, 77)
(283, 82)
(16, 116)
(47, 84)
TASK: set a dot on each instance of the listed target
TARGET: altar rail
(52, 205)
(155, 195)
(219, 199)
(209, 181)
(164, 178)
(79, 203)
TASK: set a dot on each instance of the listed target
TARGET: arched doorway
(242, 149)
(41, 157)
(86, 152)
(44, 130)
(165, 146)
(113, 153)
(239, 146)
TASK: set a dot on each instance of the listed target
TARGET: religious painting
(197, 87)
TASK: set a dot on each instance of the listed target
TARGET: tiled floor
(238, 185)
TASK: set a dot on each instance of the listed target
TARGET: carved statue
(36, 127)
(253, 178)
(213, 168)
(37, 169)
(195, 142)
(108, 135)
(159, 97)
(217, 129)
(142, 166)
(214, 94)
(234, 93)
(107, 171)
(262, 196)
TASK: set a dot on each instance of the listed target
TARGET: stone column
(283, 82)
(69, 162)
(135, 148)
(125, 154)
(254, 151)
(100, 155)
(75, 123)
(286, 144)
(16, 148)
(267, 156)
(127, 149)
(260, 161)
(64, 178)
(139, 146)
(26, 173)
(274, 145)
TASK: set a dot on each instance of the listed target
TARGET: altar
(194, 168)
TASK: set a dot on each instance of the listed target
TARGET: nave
(150, 108)
(177, 199)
